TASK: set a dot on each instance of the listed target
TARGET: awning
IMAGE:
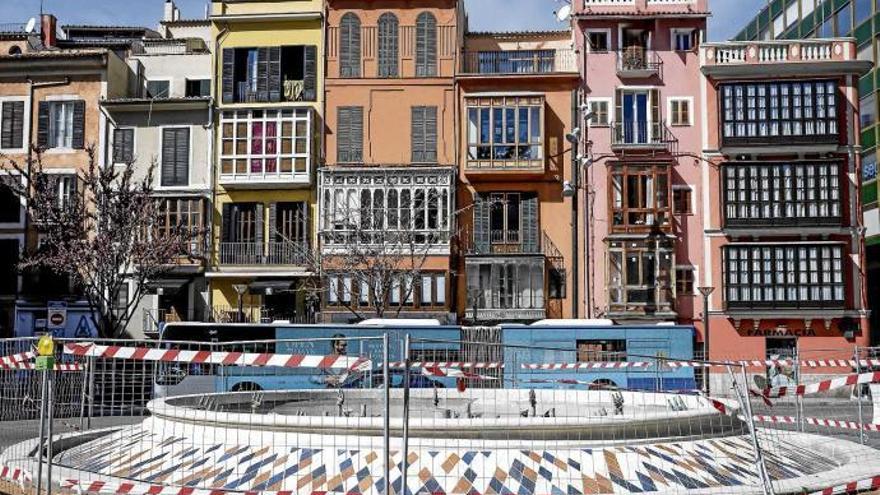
(270, 286)
(167, 285)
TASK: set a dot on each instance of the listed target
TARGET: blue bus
(547, 342)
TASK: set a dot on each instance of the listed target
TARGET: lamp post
(706, 292)
(580, 113)
(240, 289)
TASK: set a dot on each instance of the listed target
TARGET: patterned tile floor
(137, 453)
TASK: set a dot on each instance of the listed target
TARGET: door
(781, 351)
(635, 117)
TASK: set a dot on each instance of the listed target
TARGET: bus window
(590, 351)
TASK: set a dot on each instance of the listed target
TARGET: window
(175, 156)
(601, 109)
(158, 89)
(866, 51)
(844, 20)
(350, 134)
(424, 134)
(680, 111)
(183, 213)
(784, 275)
(639, 197)
(123, 145)
(350, 46)
(868, 110)
(505, 284)
(599, 41)
(684, 280)
(869, 166)
(120, 301)
(388, 45)
(198, 87)
(505, 132)
(270, 74)
(62, 124)
(266, 145)
(681, 200)
(556, 283)
(781, 193)
(506, 222)
(241, 241)
(288, 222)
(601, 351)
(432, 290)
(12, 125)
(426, 45)
(791, 14)
(640, 276)
(637, 119)
(862, 11)
(683, 40)
(504, 218)
(9, 257)
(805, 111)
(10, 203)
(64, 189)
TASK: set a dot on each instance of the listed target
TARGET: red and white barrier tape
(454, 373)
(823, 386)
(851, 487)
(447, 364)
(587, 365)
(830, 423)
(14, 359)
(31, 366)
(224, 358)
(14, 474)
(824, 363)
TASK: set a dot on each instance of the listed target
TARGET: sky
(728, 15)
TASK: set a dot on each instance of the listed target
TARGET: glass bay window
(505, 132)
(273, 145)
(639, 197)
(640, 276)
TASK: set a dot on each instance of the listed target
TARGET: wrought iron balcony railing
(272, 253)
(511, 62)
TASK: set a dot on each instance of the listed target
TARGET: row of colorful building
(623, 168)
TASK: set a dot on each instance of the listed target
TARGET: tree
(103, 233)
(374, 248)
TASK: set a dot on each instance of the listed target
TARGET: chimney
(172, 13)
(48, 26)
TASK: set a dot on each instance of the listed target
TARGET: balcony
(640, 135)
(263, 254)
(831, 56)
(638, 62)
(161, 46)
(519, 62)
(505, 288)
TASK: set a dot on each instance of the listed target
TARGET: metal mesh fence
(474, 416)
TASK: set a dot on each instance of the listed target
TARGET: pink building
(641, 168)
(783, 231)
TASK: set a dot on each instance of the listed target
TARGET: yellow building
(269, 91)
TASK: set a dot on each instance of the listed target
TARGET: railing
(252, 253)
(154, 318)
(609, 2)
(519, 62)
(393, 240)
(171, 47)
(769, 52)
(488, 314)
(257, 314)
(12, 27)
(638, 134)
(637, 60)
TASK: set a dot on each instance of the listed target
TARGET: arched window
(388, 35)
(350, 46)
(426, 45)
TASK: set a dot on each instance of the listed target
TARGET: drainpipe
(575, 251)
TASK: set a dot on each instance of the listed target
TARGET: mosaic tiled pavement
(138, 454)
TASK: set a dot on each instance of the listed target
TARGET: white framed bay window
(266, 145)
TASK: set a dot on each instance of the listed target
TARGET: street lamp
(240, 289)
(706, 292)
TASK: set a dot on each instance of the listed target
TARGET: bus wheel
(603, 384)
(246, 387)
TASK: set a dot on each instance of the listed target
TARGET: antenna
(564, 13)
(31, 25)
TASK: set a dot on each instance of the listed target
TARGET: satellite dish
(563, 13)
(31, 25)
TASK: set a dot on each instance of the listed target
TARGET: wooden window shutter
(350, 46)
(481, 224)
(530, 226)
(79, 125)
(263, 73)
(228, 89)
(274, 62)
(657, 123)
(226, 234)
(618, 108)
(310, 71)
(426, 45)
(13, 125)
(258, 224)
(43, 125)
(356, 134)
(274, 232)
(431, 134)
(175, 157)
(418, 134)
(123, 145)
(389, 28)
(343, 119)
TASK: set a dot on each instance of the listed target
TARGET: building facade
(268, 87)
(805, 19)
(49, 99)
(387, 189)
(642, 119)
(516, 95)
(784, 241)
(165, 121)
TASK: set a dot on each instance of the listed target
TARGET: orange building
(516, 95)
(387, 187)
